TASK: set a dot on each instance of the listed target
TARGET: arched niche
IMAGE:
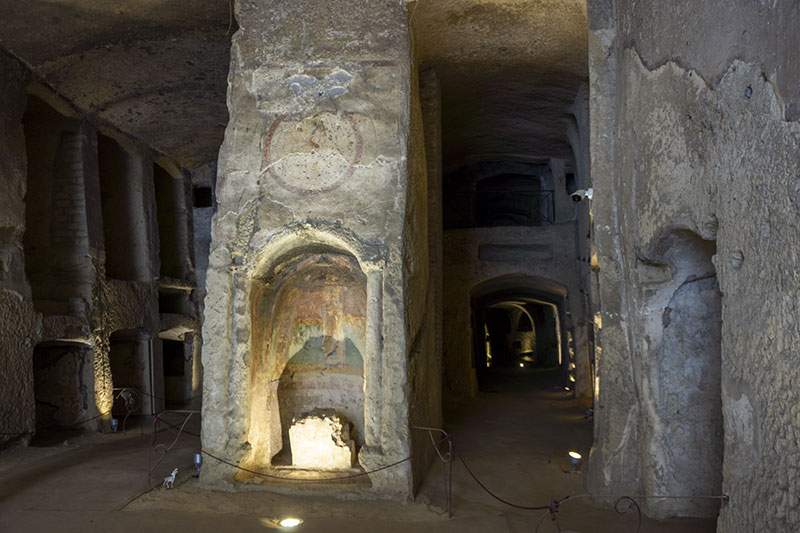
(684, 331)
(63, 381)
(308, 348)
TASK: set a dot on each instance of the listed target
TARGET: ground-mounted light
(287, 522)
(198, 462)
(575, 459)
(290, 522)
(521, 365)
(114, 425)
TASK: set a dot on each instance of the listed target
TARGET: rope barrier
(448, 458)
(307, 480)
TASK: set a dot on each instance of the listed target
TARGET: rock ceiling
(157, 69)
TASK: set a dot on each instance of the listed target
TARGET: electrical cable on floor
(501, 500)
(633, 503)
(447, 459)
(185, 400)
(95, 417)
(182, 430)
(161, 420)
(447, 463)
(163, 449)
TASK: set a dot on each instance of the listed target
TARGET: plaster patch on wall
(309, 89)
(741, 426)
(653, 273)
(618, 455)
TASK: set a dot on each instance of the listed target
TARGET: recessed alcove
(685, 334)
(124, 226)
(308, 350)
(130, 358)
(56, 239)
(63, 382)
(172, 235)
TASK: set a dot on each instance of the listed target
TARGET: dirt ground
(515, 438)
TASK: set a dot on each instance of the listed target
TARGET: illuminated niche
(308, 345)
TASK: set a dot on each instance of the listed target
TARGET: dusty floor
(515, 439)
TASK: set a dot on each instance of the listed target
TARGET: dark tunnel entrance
(517, 325)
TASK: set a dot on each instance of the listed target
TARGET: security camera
(580, 194)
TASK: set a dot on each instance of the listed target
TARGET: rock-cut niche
(309, 325)
(686, 336)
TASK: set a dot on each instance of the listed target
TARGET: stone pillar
(431, 100)
(20, 325)
(614, 461)
(703, 149)
(315, 160)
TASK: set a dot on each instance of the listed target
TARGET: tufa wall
(694, 158)
(20, 325)
(79, 261)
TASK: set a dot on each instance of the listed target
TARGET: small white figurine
(170, 479)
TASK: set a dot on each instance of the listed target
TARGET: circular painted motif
(312, 154)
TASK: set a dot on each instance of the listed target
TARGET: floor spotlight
(575, 459)
(198, 462)
(290, 522)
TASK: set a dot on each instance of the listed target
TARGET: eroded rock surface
(322, 440)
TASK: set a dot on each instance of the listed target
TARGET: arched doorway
(519, 323)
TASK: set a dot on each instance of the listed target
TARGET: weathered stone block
(322, 440)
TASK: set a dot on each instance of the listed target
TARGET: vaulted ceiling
(509, 70)
(155, 69)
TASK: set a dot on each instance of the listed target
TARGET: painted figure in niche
(321, 335)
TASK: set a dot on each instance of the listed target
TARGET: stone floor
(515, 437)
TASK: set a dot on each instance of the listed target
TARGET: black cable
(552, 507)
(313, 480)
(623, 511)
(158, 397)
(80, 423)
(157, 419)
(498, 498)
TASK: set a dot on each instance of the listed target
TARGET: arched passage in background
(519, 321)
